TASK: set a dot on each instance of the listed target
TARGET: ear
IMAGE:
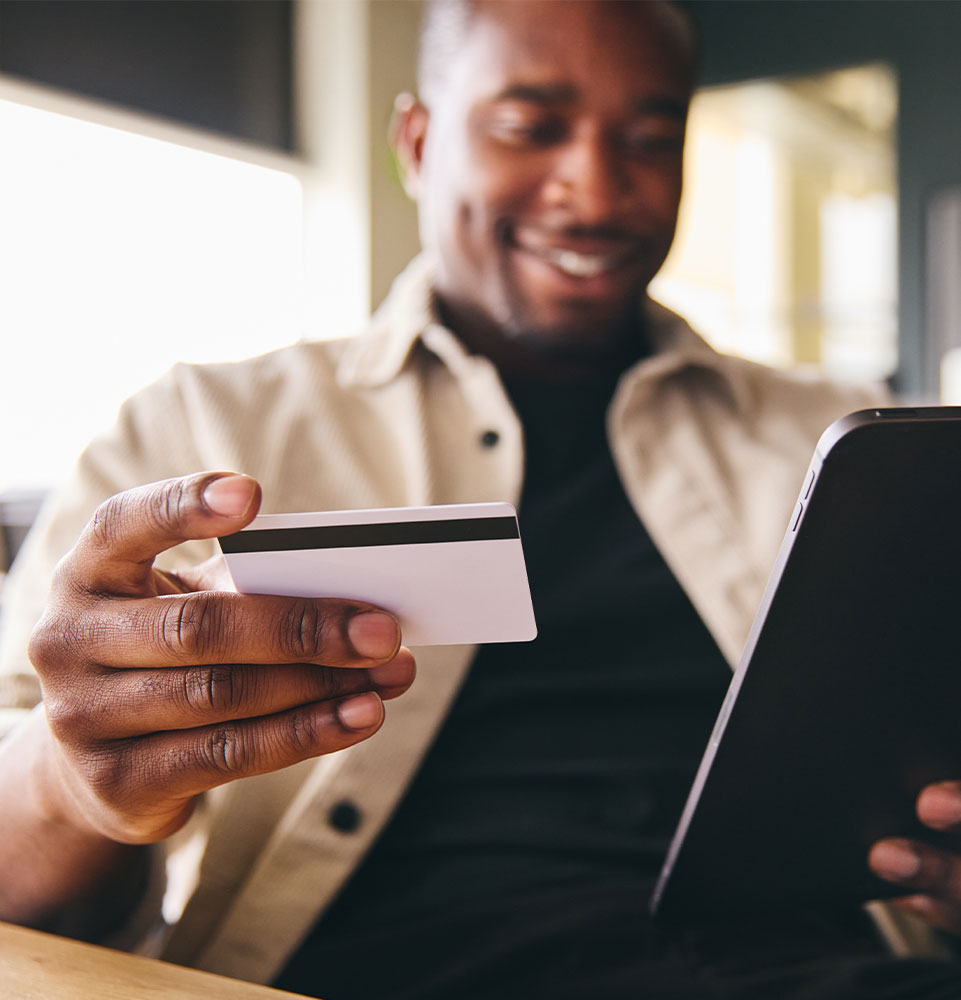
(408, 134)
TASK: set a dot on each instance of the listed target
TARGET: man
(520, 814)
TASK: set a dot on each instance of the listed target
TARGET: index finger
(116, 550)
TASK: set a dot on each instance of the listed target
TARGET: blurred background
(190, 180)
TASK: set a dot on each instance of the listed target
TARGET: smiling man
(501, 835)
(546, 162)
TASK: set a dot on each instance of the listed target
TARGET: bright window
(786, 250)
(120, 254)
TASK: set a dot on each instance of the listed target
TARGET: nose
(589, 177)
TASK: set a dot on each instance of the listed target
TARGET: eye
(526, 127)
(654, 137)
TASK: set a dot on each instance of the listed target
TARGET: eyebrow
(562, 93)
(556, 93)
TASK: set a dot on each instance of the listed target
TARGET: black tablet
(847, 698)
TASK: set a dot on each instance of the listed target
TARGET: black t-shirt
(541, 815)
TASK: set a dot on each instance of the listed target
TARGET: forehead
(608, 50)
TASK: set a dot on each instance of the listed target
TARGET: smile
(582, 263)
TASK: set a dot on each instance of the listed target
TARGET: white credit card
(451, 574)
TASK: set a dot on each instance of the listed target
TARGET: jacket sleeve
(151, 440)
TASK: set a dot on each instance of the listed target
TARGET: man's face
(549, 176)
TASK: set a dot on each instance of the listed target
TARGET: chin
(586, 334)
(565, 344)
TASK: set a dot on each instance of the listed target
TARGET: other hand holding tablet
(931, 876)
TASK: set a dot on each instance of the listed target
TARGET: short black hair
(444, 27)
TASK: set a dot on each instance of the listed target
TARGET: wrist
(34, 751)
(57, 866)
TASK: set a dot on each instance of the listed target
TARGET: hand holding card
(451, 574)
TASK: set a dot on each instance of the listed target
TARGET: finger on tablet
(939, 805)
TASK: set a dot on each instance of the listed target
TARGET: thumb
(118, 546)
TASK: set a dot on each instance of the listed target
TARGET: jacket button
(344, 817)
(490, 438)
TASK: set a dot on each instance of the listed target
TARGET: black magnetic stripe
(342, 536)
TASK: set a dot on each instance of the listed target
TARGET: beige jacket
(711, 450)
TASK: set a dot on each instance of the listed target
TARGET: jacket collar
(376, 356)
(407, 316)
(677, 349)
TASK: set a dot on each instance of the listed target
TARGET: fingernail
(895, 861)
(374, 634)
(230, 496)
(940, 805)
(361, 711)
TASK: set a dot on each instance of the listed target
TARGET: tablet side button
(810, 483)
(797, 516)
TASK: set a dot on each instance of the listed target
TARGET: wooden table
(35, 966)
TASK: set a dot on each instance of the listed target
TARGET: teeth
(579, 265)
(572, 262)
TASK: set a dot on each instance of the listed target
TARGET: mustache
(560, 230)
(602, 232)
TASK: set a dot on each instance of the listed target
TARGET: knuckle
(303, 733)
(106, 526)
(68, 585)
(63, 581)
(170, 504)
(331, 682)
(226, 751)
(192, 625)
(215, 690)
(160, 508)
(106, 773)
(82, 711)
(58, 637)
(68, 716)
(44, 645)
(304, 631)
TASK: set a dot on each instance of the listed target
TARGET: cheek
(462, 230)
(485, 202)
(504, 184)
(469, 230)
(660, 192)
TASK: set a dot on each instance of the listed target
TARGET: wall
(221, 66)
(351, 59)
(393, 30)
(743, 39)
